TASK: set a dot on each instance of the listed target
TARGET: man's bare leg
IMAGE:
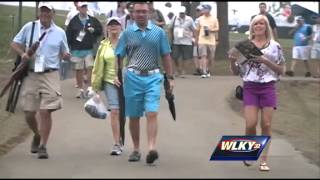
(152, 129)
(32, 121)
(134, 126)
(45, 126)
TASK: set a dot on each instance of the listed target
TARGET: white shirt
(73, 13)
(316, 33)
(259, 72)
(183, 30)
(70, 15)
(120, 15)
(115, 13)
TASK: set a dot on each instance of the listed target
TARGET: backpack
(239, 92)
(309, 30)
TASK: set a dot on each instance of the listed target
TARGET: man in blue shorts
(144, 43)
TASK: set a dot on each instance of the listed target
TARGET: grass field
(9, 23)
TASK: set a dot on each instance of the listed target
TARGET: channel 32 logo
(239, 148)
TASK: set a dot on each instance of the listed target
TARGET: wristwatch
(170, 77)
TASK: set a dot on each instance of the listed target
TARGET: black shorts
(186, 51)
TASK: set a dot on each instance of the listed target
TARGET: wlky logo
(239, 148)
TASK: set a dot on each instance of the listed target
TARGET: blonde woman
(260, 75)
(104, 73)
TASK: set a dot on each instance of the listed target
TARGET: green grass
(286, 45)
(9, 25)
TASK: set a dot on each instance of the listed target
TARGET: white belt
(144, 73)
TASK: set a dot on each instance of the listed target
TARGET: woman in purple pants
(259, 75)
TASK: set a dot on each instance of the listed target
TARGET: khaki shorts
(41, 91)
(196, 51)
(205, 50)
(82, 62)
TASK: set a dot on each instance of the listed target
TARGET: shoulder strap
(172, 29)
(32, 32)
(126, 21)
(174, 20)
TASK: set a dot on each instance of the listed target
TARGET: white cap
(82, 3)
(114, 19)
(299, 18)
(45, 4)
(199, 7)
(182, 9)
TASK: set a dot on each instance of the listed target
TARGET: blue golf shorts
(142, 93)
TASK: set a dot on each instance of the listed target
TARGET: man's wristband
(170, 77)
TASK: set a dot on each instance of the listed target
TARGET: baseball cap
(45, 4)
(200, 8)
(206, 7)
(182, 9)
(113, 19)
(82, 3)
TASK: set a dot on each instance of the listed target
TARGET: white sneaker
(208, 75)
(116, 150)
(90, 92)
(80, 94)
